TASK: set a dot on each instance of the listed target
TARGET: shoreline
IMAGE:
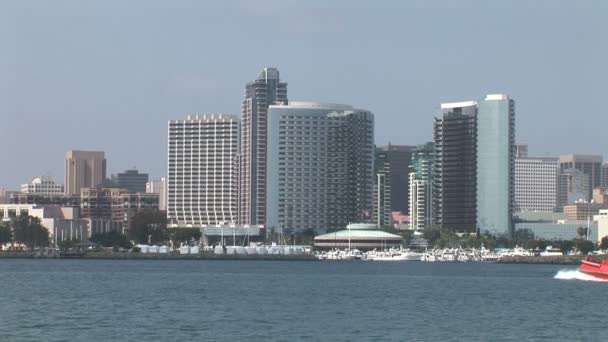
(147, 256)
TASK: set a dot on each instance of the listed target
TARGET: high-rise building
(536, 184)
(420, 187)
(591, 165)
(320, 166)
(43, 186)
(265, 90)
(391, 184)
(473, 171)
(495, 164)
(454, 167)
(573, 186)
(133, 181)
(605, 174)
(84, 169)
(201, 181)
(159, 187)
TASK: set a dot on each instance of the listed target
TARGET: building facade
(265, 90)
(420, 187)
(111, 209)
(454, 167)
(43, 186)
(132, 180)
(320, 166)
(84, 169)
(159, 187)
(573, 186)
(536, 184)
(591, 165)
(495, 164)
(391, 183)
(202, 180)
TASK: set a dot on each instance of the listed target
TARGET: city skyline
(73, 93)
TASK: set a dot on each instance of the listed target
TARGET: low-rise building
(43, 186)
(111, 209)
(361, 236)
(63, 223)
(602, 223)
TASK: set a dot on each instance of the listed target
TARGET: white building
(159, 187)
(536, 184)
(43, 186)
(602, 224)
(202, 180)
(320, 166)
(63, 223)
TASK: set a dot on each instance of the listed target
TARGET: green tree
(184, 234)
(585, 246)
(566, 246)
(112, 239)
(29, 230)
(148, 225)
(604, 243)
(5, 233)
(431, 235)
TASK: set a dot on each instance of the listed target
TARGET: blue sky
(108, 75)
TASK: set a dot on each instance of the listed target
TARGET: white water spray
(576, 275)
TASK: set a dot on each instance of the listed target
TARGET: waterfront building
(602, 223)
(62, 223)
(111, 209)
(553, 225)
(159, 187)
(454, 167)
(573, 186)
(320, 166)
(83, 169)
(590, 165)
(536, 184)
(361, 236)
(391, 184)
(420, 187)
(495, 164)
(265, 90)
(474, 165)
(132, 180)
(559, 231)
(202, 180)
(43, 186)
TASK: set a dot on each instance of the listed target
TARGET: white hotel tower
(201, 182)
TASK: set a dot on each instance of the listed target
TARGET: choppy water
(100, 300)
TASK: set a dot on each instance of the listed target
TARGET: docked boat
(598, 269)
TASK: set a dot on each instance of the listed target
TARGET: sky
(108, 75)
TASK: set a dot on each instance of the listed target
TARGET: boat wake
(576, 275)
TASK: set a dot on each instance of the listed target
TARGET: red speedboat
(598, 269)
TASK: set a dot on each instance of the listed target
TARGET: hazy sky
(108, 75)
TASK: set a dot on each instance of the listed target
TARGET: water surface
(181, 300)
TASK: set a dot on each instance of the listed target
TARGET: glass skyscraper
(495, 164)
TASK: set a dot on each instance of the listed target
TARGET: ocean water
(152, 300)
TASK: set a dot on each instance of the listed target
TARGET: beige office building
(83, 169)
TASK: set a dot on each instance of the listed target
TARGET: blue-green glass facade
(495, 165)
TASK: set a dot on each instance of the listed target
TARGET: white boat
(550, 251)
(393, 255)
